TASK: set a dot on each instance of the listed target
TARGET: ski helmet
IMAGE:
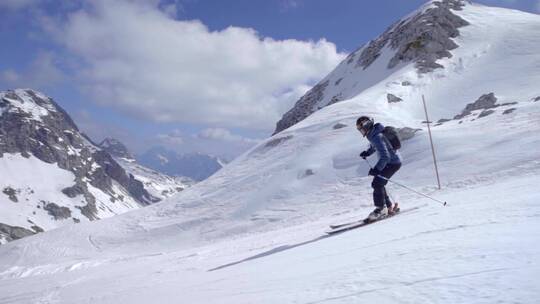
(364, 124)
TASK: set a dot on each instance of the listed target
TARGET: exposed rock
(115, 148)
(350, 57)
(11, 193)
(271, 144)
(508, 111)
(37, 229)
(484, 102)
(306, 173)
(89, 210)
(339, 125)
(74, 190)
(536, 99)
(485, 113)
(393, 98)
(338, 81)
(406, 83)
(277, 141)
(59, 213)
(443, 120)
(407, 133)
(336, 98)
(424, 37)
(302, 108)
(14, 232)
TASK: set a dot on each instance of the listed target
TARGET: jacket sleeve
(370, 150)
(382, 150)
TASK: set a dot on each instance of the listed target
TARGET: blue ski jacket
(378, 142)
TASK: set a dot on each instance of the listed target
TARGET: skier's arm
(370, 151)
(384, 154)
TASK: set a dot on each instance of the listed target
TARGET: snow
(27, 105)
(37, 183)
(254, 231)
(157, 184)
(33, 191)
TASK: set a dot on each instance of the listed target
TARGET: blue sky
(191, 75)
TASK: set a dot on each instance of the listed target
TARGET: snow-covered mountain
(115, 148)
(254, 231)
(196, 166)
(53, 175)
(158, 184)
(424, 40)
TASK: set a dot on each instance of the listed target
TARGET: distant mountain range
(195, 165)
(192, 166)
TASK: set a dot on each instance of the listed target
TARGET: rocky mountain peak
(33, 126)
(116, 148)
(422, 38)
(28, 104)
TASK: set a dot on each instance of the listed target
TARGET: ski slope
(254, 231)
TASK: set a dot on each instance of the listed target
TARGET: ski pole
(425, 195)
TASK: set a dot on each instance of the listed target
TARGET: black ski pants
(380, 197)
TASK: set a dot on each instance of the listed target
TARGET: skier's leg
(378, 192)
(388, 172)
(387, 200)
(378, 199)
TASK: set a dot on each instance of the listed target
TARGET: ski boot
(377, 214)
(393, 209)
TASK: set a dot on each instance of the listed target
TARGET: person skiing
(388, 164)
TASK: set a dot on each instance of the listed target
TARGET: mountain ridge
(422, 38)
(80, 181)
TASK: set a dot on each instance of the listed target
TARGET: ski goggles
(361, 128)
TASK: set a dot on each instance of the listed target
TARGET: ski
(335, 226)
(364, 222)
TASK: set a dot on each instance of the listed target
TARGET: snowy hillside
(158, 184)
(52, 175)
(254, 231)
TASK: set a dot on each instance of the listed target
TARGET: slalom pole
(431, 141)
(425, 195)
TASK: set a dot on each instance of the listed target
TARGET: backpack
(393, 137)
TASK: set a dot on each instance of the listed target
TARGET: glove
(364, 154)
(374, 172)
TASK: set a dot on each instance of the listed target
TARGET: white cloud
(174, 138)
(143, 62)
(214, 141)
(223, 135)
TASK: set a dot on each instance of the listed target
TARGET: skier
(388, 164)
